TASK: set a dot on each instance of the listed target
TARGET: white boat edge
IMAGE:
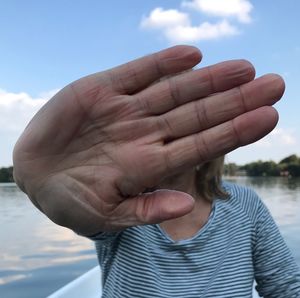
(88, 285)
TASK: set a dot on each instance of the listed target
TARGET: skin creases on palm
(89, 153)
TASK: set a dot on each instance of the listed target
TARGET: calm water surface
(37, 257)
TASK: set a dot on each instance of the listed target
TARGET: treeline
(287, 167)
(6, 174)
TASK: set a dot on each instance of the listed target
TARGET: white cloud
(205, 31)
(284, 136)
(280, 143)
(16, 109)
(239, 9)
(160, 18)
(278, 137)
(176, 26)
(48, 94)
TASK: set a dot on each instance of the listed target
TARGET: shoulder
(241, 193)
(243, 198)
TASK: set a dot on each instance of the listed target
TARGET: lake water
(37, 257)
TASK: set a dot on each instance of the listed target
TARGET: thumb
(160, 205)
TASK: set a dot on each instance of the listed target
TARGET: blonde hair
(208, 177)
(207, 180)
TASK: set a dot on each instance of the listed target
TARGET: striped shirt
(239, 243)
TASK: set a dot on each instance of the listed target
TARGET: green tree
(6, 174)
(230, 169)
(290, 159)
(262, 168)
(293, 169)
(291, 165)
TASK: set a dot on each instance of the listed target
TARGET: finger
(156, 207)
(183, 88)
(202, 114)
(219, 140)
(138, 74)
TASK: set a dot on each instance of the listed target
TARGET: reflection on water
(37, 257)
(281, 195)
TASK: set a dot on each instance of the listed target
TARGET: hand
(89, 153)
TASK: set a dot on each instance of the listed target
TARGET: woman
(217, 250)
(88, 155)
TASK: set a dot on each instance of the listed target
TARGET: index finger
(140, 73)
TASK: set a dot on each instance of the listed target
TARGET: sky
(45, 45)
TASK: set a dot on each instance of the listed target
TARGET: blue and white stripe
(239, 243)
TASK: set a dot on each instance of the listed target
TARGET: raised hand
(89, 153)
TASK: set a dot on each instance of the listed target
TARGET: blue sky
(45, 45)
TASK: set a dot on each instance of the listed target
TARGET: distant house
(285, 174)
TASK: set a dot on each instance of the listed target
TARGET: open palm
(90, 152)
